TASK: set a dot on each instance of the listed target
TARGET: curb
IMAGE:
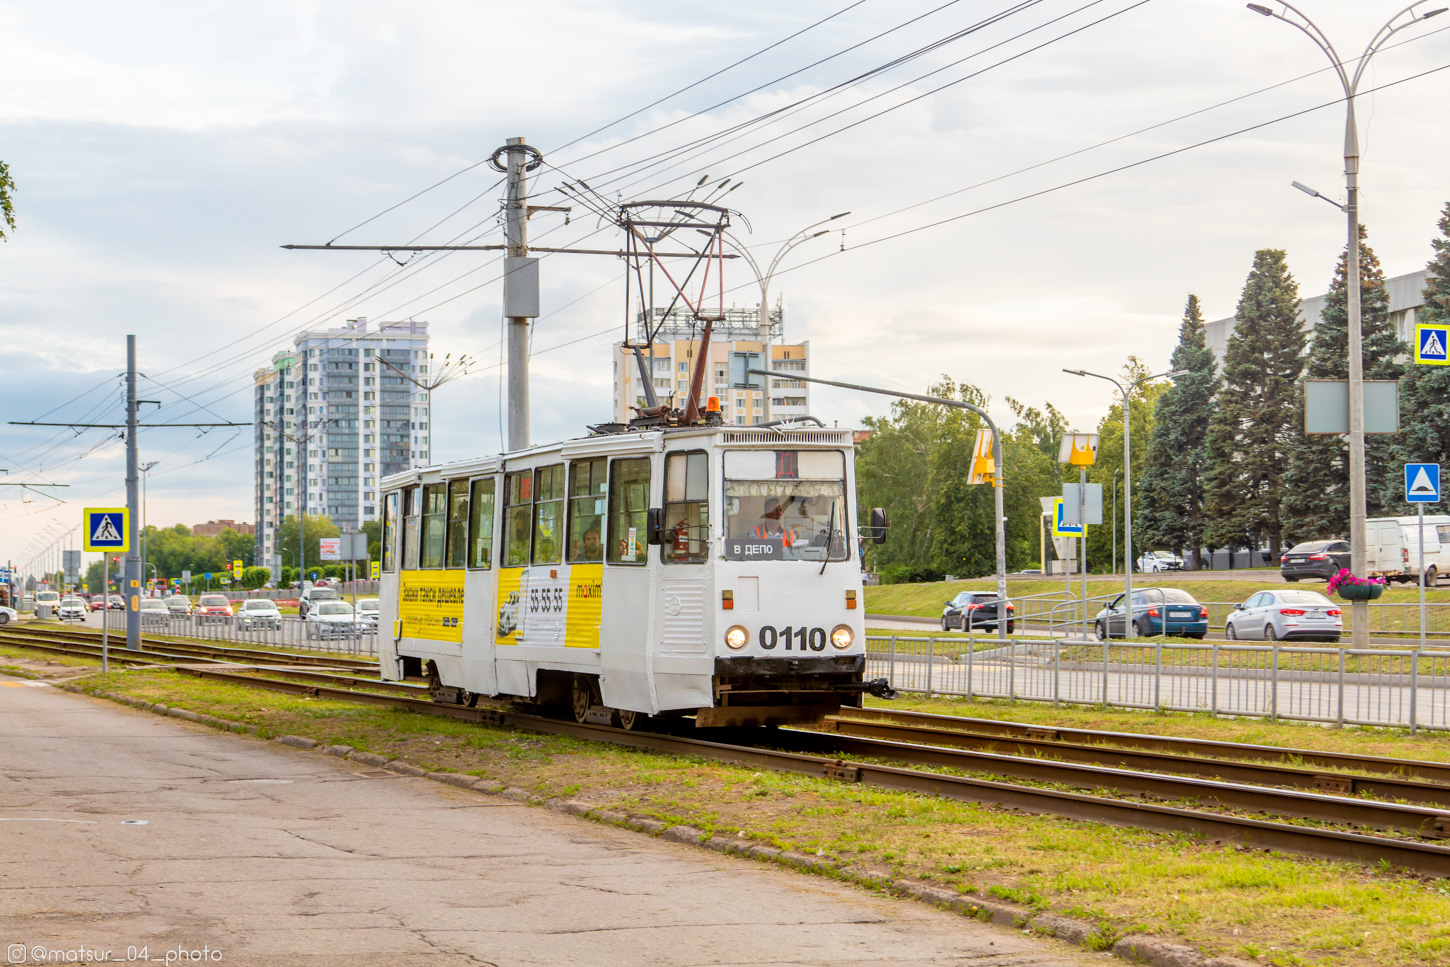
(1137, 948)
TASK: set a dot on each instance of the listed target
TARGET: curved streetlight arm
(1311, 29)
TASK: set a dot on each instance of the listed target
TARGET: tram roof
(641, 441)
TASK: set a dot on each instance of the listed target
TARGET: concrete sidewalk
(121, 830)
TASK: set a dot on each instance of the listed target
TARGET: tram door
(625, 626)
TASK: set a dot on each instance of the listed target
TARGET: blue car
(1156, 611)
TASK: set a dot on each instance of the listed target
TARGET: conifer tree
(1170, 508)
(1317, 475)
(1425, 398)
(1250, 433)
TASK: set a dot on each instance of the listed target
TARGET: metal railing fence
(287, 632)
(1381, 687)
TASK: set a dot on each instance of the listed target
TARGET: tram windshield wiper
(830, 538)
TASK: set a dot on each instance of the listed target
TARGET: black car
(974, 609)
(1314, 559)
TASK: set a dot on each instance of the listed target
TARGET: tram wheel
(582, 697)
(631, 721)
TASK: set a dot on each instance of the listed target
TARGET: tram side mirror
(654, 524)
(879, 525)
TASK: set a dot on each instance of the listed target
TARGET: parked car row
(1270, 615)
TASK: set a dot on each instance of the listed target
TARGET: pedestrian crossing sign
(106, 529)
(1432, 345)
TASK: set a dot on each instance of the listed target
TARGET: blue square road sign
(1432, 345)
(1422, 483)
(105, 529)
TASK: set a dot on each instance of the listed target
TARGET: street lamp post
(1350, 83)
(763, 280)
(1127, 479)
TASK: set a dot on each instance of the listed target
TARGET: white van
(1392, 547)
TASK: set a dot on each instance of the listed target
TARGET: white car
(72, 609)
(154, 611)
(331, 619)
(1286, 616)
(7, 615)
(1154, 562)
(259, 613)
(367, 613)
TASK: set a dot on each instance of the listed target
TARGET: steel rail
(1325, 843)
(1417, 820)
(1382, 765)
(1336, 783)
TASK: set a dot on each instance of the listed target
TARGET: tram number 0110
(803, 638)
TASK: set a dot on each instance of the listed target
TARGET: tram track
(85, 644)
(823, 754)
(896, 723)
(160, 651)
(1032, 780)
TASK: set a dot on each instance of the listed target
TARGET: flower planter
(1360, 592)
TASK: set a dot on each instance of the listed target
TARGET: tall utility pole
(520, 283)
(1359, 610)
(132, 594)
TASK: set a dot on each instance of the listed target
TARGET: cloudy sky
(163, 152)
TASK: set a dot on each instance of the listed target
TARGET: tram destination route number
(803, 638)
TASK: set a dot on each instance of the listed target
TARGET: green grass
(926, 600)
(1220, 898)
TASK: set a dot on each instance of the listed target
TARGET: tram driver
(770, 528)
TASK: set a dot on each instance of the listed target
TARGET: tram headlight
(842, 637)
(736, 638)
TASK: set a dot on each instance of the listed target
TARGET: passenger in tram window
(770, 527)
(591, 548)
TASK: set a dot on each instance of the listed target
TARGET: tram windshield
(785, 505)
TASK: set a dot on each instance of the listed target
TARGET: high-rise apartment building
(671, 361)
(334, 415)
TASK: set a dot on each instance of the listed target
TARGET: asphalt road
(123, 831)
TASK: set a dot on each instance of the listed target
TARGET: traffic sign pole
(105, 612)
(1422, 486)
(1420, 507)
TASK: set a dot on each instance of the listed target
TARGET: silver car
(331, 619)
(367, 613)
(259, 613)
(1286, 616)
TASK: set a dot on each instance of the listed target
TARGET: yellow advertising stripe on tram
(586, 606)
(508, 611)
(430, 605)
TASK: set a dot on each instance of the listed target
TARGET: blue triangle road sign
(1422, 483)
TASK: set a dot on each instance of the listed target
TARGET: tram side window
(410, 529)
(390, 531)
(457, 553)
(686, 539)
(628, 507)
(586, 510)
(518, 501)
(548, 514)
(435, 524)
(480, 526)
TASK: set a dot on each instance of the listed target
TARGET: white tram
(702, 570)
